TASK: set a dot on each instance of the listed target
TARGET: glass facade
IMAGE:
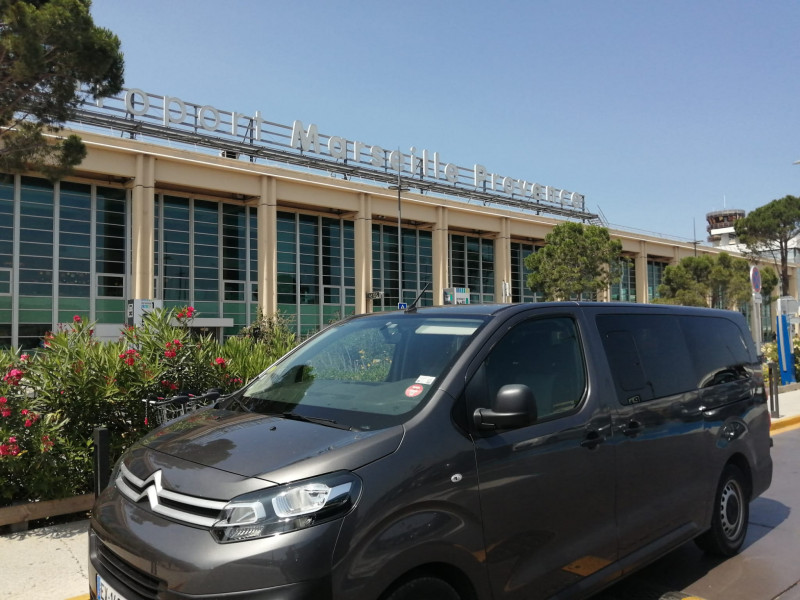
(625, 290)
(520, 292)
(655, 275)
(206, 257)
(472, 266)
(316, 270)
(63, 251)
(417, 255)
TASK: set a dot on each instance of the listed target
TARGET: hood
(269, 447)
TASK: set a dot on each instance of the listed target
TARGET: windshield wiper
(317, 420)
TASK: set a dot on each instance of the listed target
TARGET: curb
(779, 425)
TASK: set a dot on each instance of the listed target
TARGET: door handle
(632, 428)
(593, 439)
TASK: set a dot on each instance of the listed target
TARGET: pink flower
(130, 360)
(170, 353)
(13, 377)
(28, 422)
(6, 412)
(177, 343)
(3, 399)
(24, 357)
(220, 361)
(13, 439)
(76, 319)
(24, 411)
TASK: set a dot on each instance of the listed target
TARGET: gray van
(469, 452)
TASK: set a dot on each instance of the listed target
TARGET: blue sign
(755, 279)
(402, 305)
(785, 356)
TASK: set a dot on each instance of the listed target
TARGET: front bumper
(147, 557)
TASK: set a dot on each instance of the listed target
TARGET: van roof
(493, 309)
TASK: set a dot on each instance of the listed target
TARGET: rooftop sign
(236, 133)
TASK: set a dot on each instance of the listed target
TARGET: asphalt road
(768, 568)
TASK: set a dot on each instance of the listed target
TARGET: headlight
(287, 507)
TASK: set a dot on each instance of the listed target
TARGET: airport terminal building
(187, 204)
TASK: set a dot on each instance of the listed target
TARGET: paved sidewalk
(49, 563)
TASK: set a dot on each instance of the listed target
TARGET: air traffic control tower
(720, 226)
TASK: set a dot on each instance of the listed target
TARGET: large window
(417, 266)
(316, 270)
(655, 275)
(520, 292)
(62, 253)
(472, 266)
(206, 256)
(625, 290)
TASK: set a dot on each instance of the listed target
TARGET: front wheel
(424, 588)
(731, 513)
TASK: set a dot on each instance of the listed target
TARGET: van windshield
(365, 373)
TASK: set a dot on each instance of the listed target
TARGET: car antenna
(413, 307)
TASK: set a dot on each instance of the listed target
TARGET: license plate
(106, 592)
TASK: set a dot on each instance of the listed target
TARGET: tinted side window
(718, 348)
(648, 356)
(544, 354)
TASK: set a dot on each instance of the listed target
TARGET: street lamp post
(399, 187)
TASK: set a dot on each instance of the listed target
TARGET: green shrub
(52, 400)
(37, 459)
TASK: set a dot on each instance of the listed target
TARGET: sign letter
(304, 139)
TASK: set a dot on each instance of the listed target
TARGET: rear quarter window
(718, 348)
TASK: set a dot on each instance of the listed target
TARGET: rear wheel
(424, 588)
(731, 513)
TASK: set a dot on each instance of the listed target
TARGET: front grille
(192, 510)
(140, 582)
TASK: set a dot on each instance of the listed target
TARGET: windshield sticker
(414, 390)
(425, 379)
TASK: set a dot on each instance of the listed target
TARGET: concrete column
(267, 219)
(440, 242)
(363, 251)
(641, 274)
(502, 261)
(142, 225)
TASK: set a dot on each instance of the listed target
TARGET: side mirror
(513, 407)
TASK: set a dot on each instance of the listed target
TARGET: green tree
(687, 282)
(721, 281)
(769, 281)
(768, 230)
(52, 58)
(575, 259)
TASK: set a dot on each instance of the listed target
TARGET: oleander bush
(51, 400)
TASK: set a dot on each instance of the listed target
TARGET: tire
(424, 588)
(731, 514)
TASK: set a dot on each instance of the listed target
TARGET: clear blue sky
(658, 112)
